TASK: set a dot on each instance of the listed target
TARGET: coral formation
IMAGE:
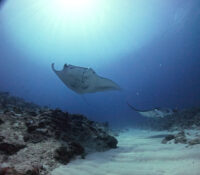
(32, 136)
(183, 137)
(184, 126)
(183, 119)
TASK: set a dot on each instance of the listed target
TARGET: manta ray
(155, 112)
(84, 80)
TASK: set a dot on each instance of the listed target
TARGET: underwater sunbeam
(79, 32)
(75, 7)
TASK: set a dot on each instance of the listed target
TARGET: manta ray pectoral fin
(53, 68)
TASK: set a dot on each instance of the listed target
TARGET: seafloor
(140, 152)
(37, 140)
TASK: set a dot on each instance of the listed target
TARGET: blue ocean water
(151, 49)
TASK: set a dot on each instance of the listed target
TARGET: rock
(65, 153)
(110, 141)
(31, 135)
(76, 148)
(180, 138)
(17, 110)
(9, 171)
(2, 138)
(10, 149)
(1, 122)
(168, 138)
(34, 137)
(35, 170)
(12, 171)
(31, 128)
(194, 141)
(32, 113)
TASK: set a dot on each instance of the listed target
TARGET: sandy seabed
(138, 154)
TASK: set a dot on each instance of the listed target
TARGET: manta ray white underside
(84, 80)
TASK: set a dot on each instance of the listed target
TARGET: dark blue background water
(159, 68)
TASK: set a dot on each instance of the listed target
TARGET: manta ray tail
(135, 108)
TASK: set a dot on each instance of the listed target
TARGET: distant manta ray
(155, 112)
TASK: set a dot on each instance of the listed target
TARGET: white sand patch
(138, 154)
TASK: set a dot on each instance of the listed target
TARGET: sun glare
(84, 31)
(78, 7)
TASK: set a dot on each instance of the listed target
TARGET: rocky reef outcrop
(189, 137)
(184, 126)
(35, 140)
(183, 119)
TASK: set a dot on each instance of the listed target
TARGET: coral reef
(185, 123)
(183, 119)
(190, 137)
(35, 140)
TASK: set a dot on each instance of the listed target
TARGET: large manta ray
(155, 112)
(84, 80)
